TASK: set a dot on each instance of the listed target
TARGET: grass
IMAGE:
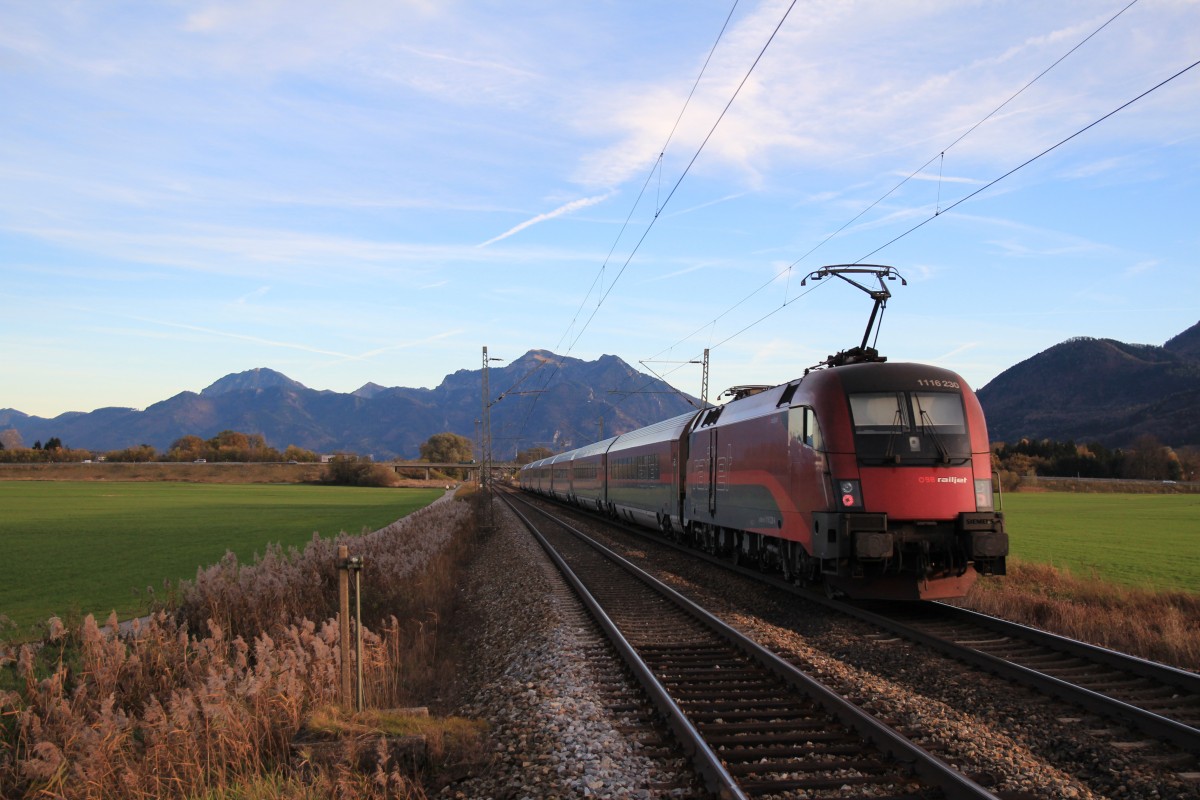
(73, 548)
(456, 732)
(1147, 541)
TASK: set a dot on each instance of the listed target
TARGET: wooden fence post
(343, 556)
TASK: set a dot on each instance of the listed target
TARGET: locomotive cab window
(803, 428)
(879, 412)
(910, 427)
(941, 411)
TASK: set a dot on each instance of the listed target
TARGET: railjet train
(874, 478)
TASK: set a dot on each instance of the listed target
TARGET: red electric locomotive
(872, 477)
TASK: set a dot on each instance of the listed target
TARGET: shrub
(353, 471)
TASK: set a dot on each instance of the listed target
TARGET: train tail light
(849, 494)
(983, 494)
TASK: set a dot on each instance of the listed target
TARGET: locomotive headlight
(983, 494)
(849, 493)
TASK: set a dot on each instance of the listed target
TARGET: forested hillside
(1100, 390)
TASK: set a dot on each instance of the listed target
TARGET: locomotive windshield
(910, 427)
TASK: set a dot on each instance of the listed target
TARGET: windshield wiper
(897, 425)
(928, 427)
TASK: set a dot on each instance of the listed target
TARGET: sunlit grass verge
(347, 784)
(446, 740)
(1162, 626)
(204, 698)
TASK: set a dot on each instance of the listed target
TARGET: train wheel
(747, 549)
(807, 567)
(787, 563)
(731, 545)
(768, 556)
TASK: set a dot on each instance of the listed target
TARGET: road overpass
(499, 468)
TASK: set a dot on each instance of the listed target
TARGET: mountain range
(548, 400)
(1082, 389)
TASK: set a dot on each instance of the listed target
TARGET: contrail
(558, 212)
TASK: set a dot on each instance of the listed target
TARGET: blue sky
(371, 191)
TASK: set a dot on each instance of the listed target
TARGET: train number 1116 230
(938, 384)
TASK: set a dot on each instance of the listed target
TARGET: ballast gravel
(1016, 742)
(539, 675)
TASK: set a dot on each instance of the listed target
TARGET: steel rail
(1163, 673)
(933, 770)
(716, 778)
(1169, 730)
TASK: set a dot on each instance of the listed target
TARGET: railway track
(1158, 701)
(752, 723)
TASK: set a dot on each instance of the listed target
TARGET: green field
(71, 548)
(1146, 540)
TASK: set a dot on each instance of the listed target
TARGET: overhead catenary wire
(598, 280)
(603, 295)
(658, 211)
(657, 168)
(942, 153)
(938, 210)
(1029, 161)
(711, 347)
(953, 205)
(939, 155)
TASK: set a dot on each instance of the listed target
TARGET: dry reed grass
(204, 700)
(1157, 625)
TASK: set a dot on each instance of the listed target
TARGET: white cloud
(891, 96)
